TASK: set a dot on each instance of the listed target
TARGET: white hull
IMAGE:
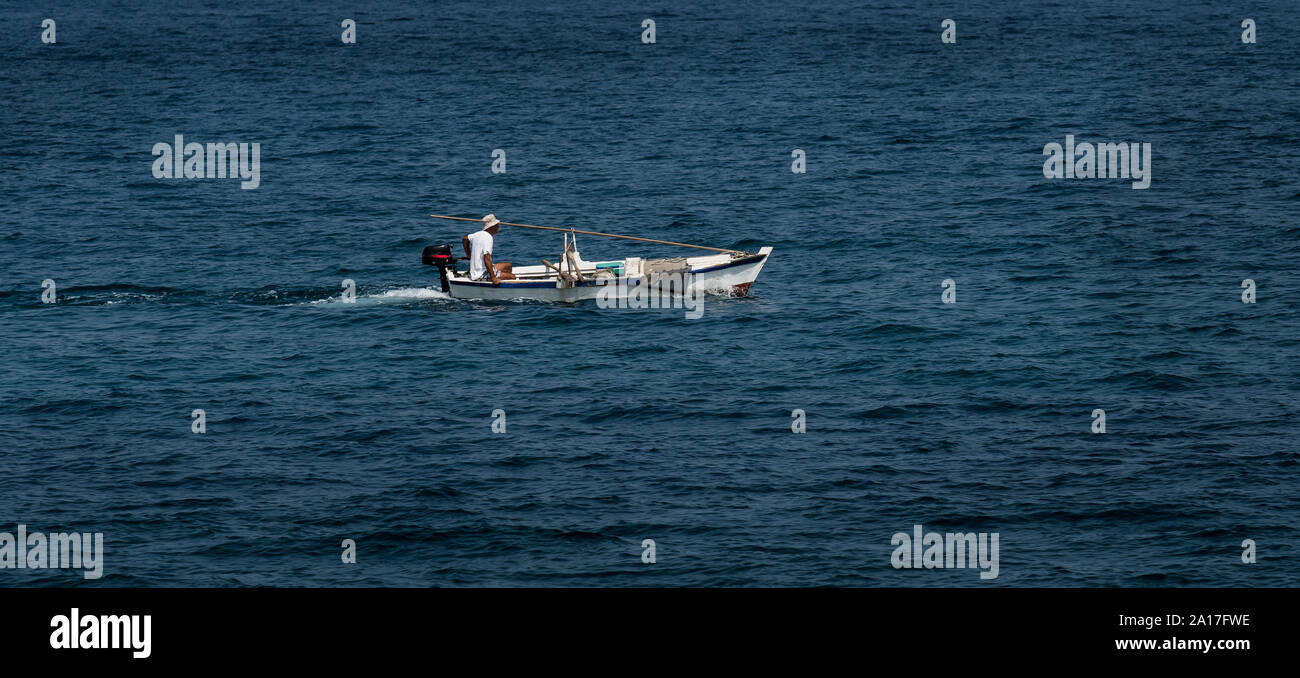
(721, 274)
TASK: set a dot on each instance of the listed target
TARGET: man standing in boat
(478, 247)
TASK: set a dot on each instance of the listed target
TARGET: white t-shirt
(480, 243)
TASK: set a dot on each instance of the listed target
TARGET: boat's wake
(112, 295)
(401, 295)
(412, 293)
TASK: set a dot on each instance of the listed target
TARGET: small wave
(1149, 379)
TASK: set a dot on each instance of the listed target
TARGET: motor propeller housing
(440, 256)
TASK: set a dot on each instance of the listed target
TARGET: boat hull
(730, 278)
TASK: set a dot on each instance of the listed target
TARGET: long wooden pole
(607, 235)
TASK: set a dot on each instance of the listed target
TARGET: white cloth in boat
(661, 266)
(480, 243)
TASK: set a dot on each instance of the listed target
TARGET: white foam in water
(404, 294)
(412, 293)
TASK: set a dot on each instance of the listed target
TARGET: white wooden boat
(719, 274)
(571, 279)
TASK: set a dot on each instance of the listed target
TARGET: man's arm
(464, 241)
(492, 270)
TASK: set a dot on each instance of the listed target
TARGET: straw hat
(489, 221)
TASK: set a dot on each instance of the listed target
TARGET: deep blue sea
(372, 421)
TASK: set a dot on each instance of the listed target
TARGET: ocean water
(372, 420)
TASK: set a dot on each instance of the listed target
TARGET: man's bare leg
(505, 271)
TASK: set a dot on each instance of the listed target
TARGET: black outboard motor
(440, 256)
